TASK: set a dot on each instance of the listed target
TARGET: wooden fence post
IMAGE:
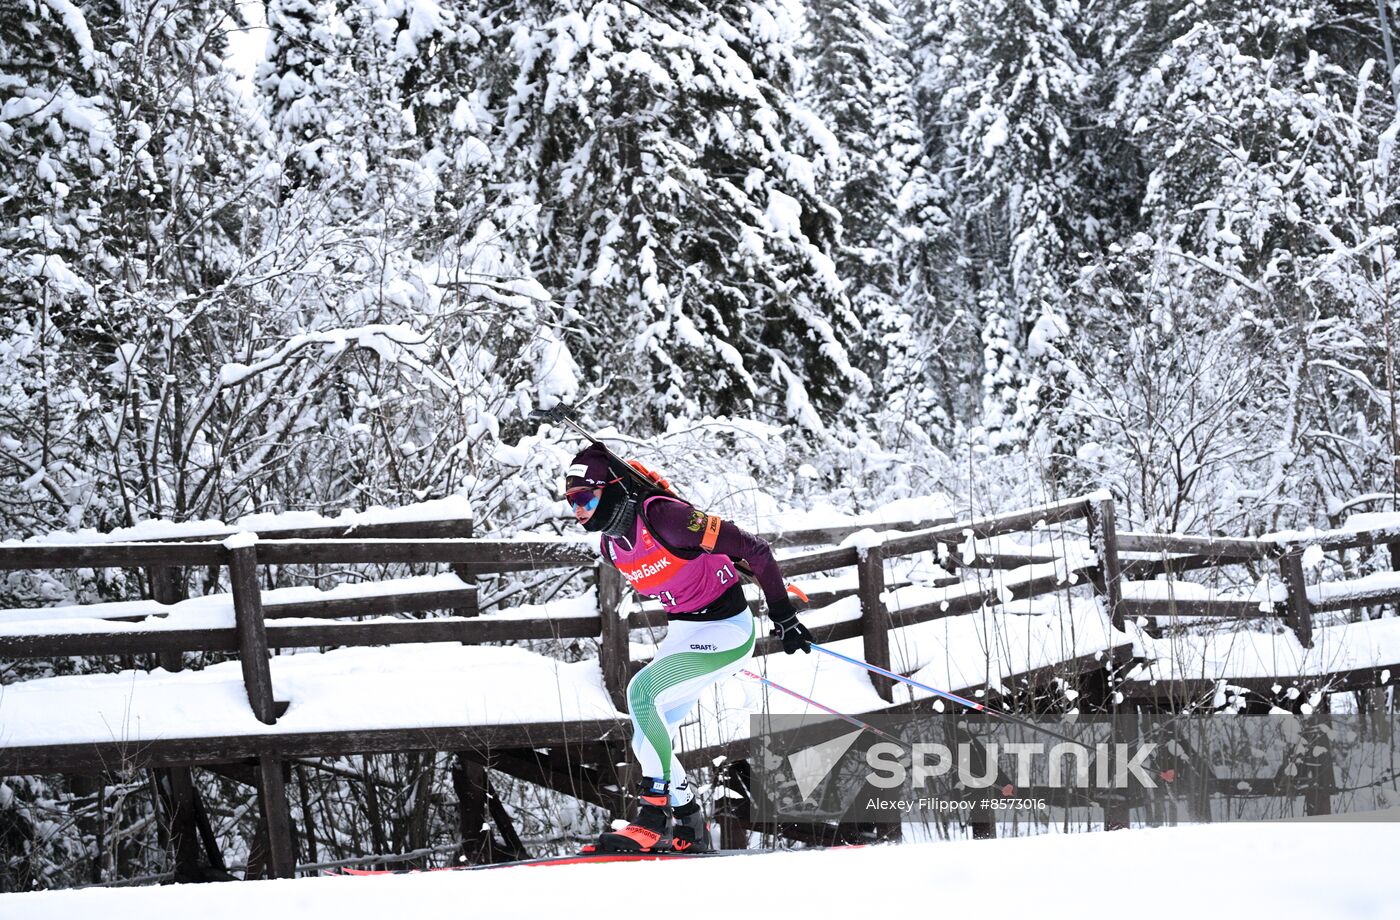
(1319, 771)
(1117, 813)
(980, 818)
(1394, 549)
(277, 814)
(252, 631)
(469, 782)
(176, 795)
(614, 656)
(875, 618)
(732, 812)
(1299, 614)
(468, 576)
(1102, 518)
(168, 587)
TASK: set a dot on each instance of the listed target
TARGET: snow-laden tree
(125, 163)
(376, 105)
(1265, 134)
(668, 187)
(303, 77)
(1008, 84)
(207, 319)
(403, 296)
(860, 80)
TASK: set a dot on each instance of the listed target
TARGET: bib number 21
(725, 573)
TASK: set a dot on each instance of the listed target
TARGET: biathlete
(667, 549)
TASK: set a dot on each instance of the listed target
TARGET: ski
(577, 859)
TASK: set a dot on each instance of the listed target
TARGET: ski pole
(827, 709)
(971, 704)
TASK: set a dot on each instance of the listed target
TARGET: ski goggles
(583, 499)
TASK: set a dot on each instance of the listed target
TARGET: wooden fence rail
(256, 630)
(1179, 553)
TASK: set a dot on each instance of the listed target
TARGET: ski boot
(690, 833)
(649, 832)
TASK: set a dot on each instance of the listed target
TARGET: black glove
(794, 635)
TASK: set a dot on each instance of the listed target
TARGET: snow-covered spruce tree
(303, 78)
(126, 171)
(859, 78)
(1007, 83)
(1265, 135)
(55, 133)
(388, 227)
(667, 185)
(124, 168)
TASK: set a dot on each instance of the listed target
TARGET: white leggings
(692, 657)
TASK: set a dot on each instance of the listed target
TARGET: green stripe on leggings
(671, 671)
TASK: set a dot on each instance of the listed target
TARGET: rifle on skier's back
(637, 479)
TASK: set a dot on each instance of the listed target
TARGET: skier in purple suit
(667, 549)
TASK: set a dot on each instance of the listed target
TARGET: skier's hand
(795, 636)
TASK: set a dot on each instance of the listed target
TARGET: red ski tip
(1168, 775)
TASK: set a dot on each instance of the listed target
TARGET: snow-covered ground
(1306, 870)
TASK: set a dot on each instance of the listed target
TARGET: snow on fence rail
(1295, 602)
(446, 517)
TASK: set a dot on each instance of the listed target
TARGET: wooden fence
(1177, 553)
(255, 631)
(1115, 556)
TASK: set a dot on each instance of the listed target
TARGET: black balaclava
(616, 514)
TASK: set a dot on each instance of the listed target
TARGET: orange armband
(707, 541)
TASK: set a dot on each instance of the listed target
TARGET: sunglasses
(583, 500)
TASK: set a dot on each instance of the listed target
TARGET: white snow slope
(1307, 870)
